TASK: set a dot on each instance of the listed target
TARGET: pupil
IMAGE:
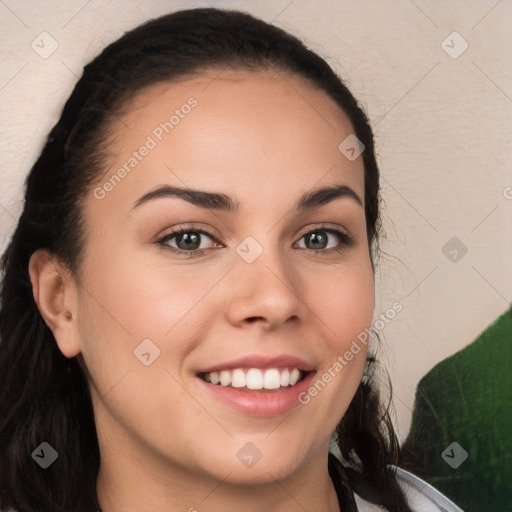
(188, 238)
(317, 240)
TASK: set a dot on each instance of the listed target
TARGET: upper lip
(261, 361)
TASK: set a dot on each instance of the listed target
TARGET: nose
(265, 291)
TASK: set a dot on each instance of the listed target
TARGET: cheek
(344, 299)
(130, 310)
(344, 304)
(142, 298)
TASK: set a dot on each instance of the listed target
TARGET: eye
(186, 241)
(191, 241)
(324, 239)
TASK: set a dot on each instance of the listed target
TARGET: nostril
(253, 319)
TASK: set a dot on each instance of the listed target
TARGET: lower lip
(260, 403)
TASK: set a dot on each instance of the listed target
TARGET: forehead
(241, 97)
(231, 131)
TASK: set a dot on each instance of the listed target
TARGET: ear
(55, 295)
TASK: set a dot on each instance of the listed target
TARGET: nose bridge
(266, 285)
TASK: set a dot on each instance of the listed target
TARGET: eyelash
(346, 240)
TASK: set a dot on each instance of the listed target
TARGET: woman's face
(272, 282)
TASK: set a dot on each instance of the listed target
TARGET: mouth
(255, 379)
(257, 385)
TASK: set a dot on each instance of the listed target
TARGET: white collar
(421, 496)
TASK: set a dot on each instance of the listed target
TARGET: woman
(185, 296)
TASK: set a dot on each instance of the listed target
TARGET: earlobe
(55, 295)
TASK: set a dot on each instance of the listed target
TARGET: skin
(264, 139)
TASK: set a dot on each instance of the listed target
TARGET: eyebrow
(218, 201)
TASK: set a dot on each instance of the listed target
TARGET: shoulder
(421, 496)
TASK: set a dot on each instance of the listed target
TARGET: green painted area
(467, 399)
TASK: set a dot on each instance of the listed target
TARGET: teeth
(285, 378)
(225, 378)
(254, 378)
(238, 379)
(294, 377)
(272, 379)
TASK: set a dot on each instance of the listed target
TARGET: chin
(259, 460)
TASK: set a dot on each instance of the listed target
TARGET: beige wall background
(436, 80)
